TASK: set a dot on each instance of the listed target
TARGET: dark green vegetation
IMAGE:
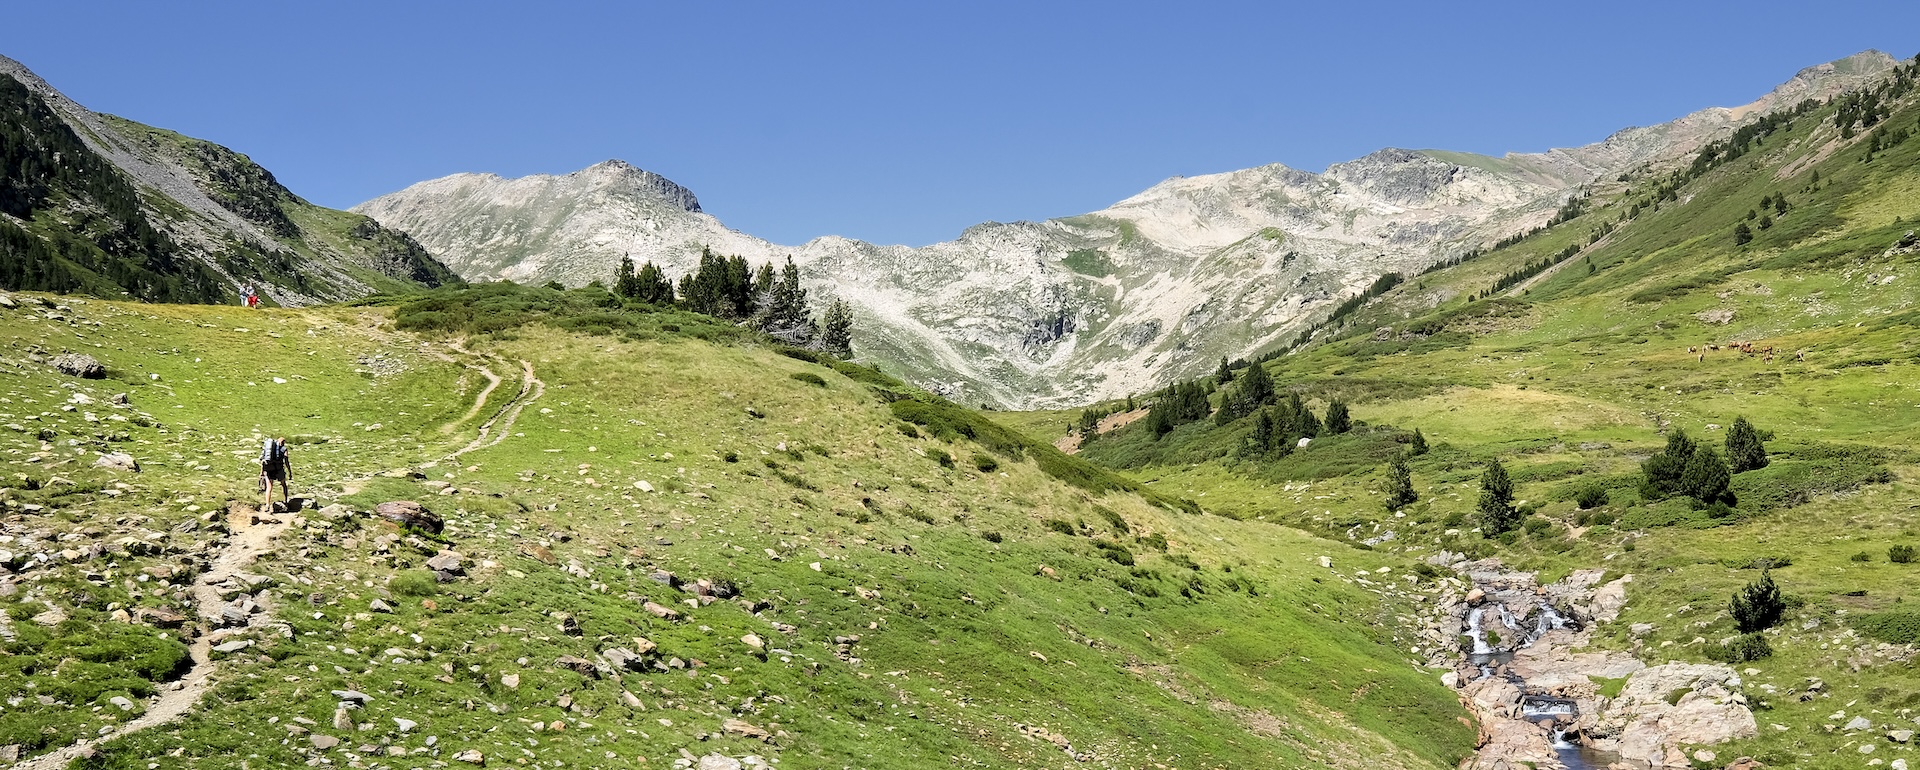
(726, 288)
(80, 224)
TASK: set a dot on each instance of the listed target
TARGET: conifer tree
(1419, 446)
(1663, 471)
(1399, 487)
(1758, 606)
(1745, 451)
(1260, 442)
(624, 283)
(1224, 374)
(1497, 514)
(1705, 477)
(1338, 421)
(836, 332)
(652, 286)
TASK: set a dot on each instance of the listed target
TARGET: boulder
(745, 729)
(718, 762)
(471, 757)
(578, 665)
(449, 562)
(119, 461)
(661, 611)
(1608, 600)
(1665, 706)
(408, 513)
(79, 365)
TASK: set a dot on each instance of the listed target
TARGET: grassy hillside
(1574, 379)
(881, 593)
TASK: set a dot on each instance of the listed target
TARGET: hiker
(246, 293)
(275, 466)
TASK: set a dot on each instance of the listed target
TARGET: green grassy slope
(1571, 381)
(985, 637)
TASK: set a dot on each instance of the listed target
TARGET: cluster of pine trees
(1685, 467)
(725, 287)
(1279, 422)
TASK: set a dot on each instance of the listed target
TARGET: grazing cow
(1803, 355)
(1713, 347)
(1690, 349)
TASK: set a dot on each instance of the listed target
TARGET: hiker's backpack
(272, 454)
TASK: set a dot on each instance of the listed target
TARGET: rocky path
(248, 541)
(479, 400)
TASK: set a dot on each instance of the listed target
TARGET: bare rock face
(1674, 704)
(1608, 601)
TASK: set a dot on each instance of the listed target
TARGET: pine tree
(1399, 487)
(1305, 424)
(836, 333)
(1745, 451)
(1663, 471)
(786, 317)
(624, 283)
(1338, 421)
(1758, 606)
(1419, 443)
(652, 286)
(1260, 442)
(1497, 514)
(1742, 235)
(1224, 374)
(1705, 477)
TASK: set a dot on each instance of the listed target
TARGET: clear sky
(907, 121)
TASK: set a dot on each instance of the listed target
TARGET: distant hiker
(275, 466)
(246, 295)
(253, 300)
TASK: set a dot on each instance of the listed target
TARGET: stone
(408, 513)
(119, 461)
(623, 658)
(1704, 755)
(632, 701)
(323, 742)
(121, 703)
(745, 729)
(52, 617)
(405, 725)
(1858, 723)
(341, 719)
(510, 681)
(1898, 764)
(577, 664)
(233, 646)
(353, 696)
(1476, 595)
(718, 762)
(79, 365)
(661, 611)
(1326, 563)
(754, 641)
(644, 646)
(1900, 736)
(471, 757)
(1640, 629)
(569, 625)
(447, 561)
(379, 605)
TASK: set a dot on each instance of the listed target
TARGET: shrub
(1900, 554)
(985, 463)
(1156, 541)
(1743, 648)
(1890, 627)
(1862, 557)
(991, 536)
(1114, 520)
(1758, 606)
(809, 378)
(1114, 552)
(415, 582)
(940, 456)
(1536, 525)
(1061, 526)
(1591, 497)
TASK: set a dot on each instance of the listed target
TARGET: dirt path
(245, 545)
(495, 429)
(480, 400)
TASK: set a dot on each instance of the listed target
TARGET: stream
(1520, 632)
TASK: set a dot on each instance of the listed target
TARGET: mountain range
(1065, 311)
(100, 204)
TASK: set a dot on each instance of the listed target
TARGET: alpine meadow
(1603, 457)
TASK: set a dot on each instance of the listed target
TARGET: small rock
(408, 513)
(1900, 736)
(744, 729)
(121, 703)
(233, 646)
(405, 725)
(378, 605)
(1326, 563)
(119, 461)
(52, 617)
(510, 681)
(1858, 723)
(632, 701)
(754, 641)
(577, 664)
(353, 696)
(448, 562)
(718, 762)
(1704, 755)
(471, 757)
(323, 742)
(661, 611)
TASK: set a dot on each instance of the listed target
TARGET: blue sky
(905, 122)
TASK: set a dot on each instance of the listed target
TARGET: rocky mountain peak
(620, 175)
